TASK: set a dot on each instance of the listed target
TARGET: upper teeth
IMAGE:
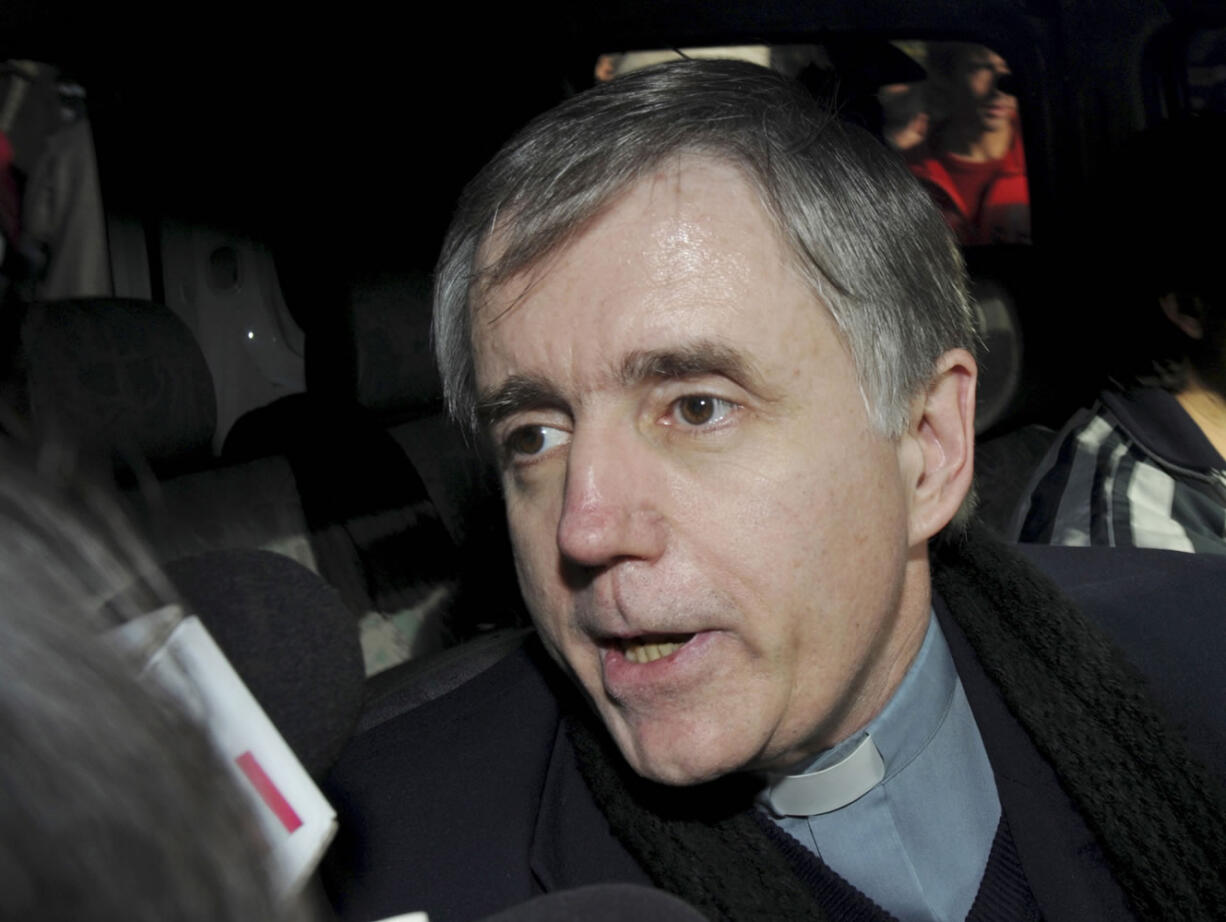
(648, 652)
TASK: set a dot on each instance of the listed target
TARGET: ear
(938, 451)
(1192, 325)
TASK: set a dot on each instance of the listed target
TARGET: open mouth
(649, 648)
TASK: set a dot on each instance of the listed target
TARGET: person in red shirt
(973, 163)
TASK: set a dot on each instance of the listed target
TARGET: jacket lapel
(572, 844)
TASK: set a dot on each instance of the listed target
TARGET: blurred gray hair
(113, 803)
(863, 233)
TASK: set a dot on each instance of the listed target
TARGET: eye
(529, 441)
(701, 409)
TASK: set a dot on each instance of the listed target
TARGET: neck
(971, 142)
(1208, 410)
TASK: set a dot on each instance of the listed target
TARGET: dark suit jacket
(472, 801)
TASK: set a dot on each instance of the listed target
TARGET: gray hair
(864, 234)
(113, 803)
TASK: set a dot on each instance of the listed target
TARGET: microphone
(602, 903)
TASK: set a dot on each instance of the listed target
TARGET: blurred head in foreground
(113, 805)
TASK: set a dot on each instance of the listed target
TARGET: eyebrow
(693, 360)
(518, 393)
(698, 359)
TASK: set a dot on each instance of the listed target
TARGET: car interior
(216, 303)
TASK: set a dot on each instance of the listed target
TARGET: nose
(611, 510)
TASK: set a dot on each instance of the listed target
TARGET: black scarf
(1156, 813)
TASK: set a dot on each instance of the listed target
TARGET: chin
(675, 774)
(670, 761)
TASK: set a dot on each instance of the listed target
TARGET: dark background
(343, 140)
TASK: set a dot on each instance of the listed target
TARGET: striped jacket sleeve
(1099, 486)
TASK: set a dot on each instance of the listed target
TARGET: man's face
(979, 96)
(708, 533)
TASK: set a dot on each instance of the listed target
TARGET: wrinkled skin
(687, 458)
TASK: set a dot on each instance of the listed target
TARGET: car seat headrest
(378, 354)
(116, 378)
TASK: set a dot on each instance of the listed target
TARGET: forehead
(689, 251)
(980, 56)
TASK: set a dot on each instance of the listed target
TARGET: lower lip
(626, 680)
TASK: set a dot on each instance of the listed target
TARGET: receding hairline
(492, 269)
(841, 205)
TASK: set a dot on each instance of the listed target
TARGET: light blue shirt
(918, 842)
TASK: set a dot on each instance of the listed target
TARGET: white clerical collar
(829, 789)
(891, 740)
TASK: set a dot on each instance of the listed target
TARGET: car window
(1206, 70)
(950, 108)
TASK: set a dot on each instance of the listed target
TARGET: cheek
(829, 529)
(533, 545)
